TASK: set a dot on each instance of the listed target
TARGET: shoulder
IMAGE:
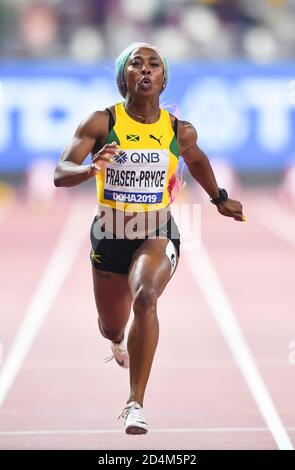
(186, 132)
(95, 125)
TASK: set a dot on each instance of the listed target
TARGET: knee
(145, 301)
(113, 334)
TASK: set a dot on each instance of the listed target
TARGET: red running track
(64, 397)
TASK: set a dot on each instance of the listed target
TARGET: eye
(155, 64)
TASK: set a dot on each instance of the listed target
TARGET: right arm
(69, 170)
(200, 168)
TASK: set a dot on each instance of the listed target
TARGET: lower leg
(113, 310)
(142, 343)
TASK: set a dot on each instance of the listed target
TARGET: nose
(145, 69)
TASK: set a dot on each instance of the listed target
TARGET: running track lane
(196, 397)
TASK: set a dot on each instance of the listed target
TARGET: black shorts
(115, 254)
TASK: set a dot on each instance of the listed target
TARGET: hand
(231, 208)
(105, 154)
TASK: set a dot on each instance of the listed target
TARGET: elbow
(57, 179)
(193, 165)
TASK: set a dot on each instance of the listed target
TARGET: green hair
(123, 58)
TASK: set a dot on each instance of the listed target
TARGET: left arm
(201, 170)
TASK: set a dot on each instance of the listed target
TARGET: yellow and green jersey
(143, 174)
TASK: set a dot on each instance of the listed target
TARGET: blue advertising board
(243, 113)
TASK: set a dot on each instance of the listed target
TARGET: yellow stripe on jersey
(142, 175)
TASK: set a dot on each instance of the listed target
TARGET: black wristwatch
(223, 196)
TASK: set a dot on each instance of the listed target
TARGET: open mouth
(145, 83)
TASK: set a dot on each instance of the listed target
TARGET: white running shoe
(120, 354)
(133, 419)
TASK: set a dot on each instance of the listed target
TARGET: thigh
(112, 297)
(151, 266)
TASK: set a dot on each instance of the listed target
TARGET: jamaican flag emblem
(133, 137)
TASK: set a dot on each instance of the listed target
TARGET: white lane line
(206, 277)
(119, 431)
(278, 219)
(57, 269)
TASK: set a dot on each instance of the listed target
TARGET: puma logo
(155, 138)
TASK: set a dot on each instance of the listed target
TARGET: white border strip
(206, 277)
(57, 269)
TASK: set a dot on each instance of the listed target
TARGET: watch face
(223, 194)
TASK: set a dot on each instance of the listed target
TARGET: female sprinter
(135, 146)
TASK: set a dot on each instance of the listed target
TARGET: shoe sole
(135, 430)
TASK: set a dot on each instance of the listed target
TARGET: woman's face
(144, 72)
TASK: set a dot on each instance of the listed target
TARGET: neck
(143, 111)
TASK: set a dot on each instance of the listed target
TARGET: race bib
(137, 176)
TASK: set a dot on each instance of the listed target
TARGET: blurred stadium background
(232, 74)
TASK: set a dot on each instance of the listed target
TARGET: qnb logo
(141, 157)
(121, 157)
